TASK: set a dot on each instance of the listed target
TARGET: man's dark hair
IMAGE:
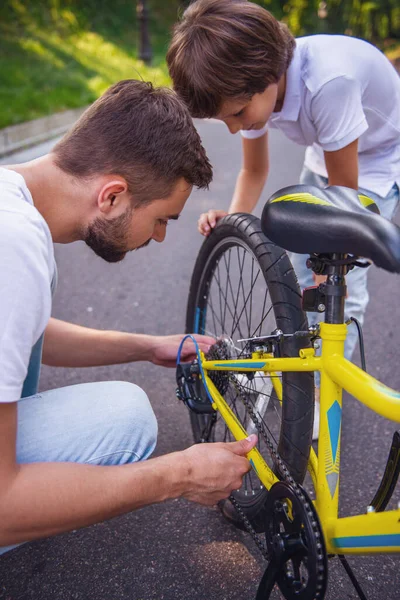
(142, 133)
(226, 49)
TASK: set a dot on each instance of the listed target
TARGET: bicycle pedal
(187, 390)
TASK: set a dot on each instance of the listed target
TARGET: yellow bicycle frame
(373, 532)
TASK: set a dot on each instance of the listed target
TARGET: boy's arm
(252, 176)
(342, 166)
(42, 499)
(338, 115)
(249, 184)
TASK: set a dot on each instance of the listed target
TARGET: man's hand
(208, 221)
(70, 345)
(164, 349)
(214, 470)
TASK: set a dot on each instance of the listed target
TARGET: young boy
(339, 96)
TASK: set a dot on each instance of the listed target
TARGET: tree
(145, 51)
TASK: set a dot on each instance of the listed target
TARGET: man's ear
(113, 197)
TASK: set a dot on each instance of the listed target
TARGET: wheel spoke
(231, 287)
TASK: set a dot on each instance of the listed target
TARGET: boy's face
(249, 114)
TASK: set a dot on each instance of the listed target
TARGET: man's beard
(108, 239)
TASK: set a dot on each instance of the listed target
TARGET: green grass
(61, 54)
(47, 67)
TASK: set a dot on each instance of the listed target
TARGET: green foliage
(374, 20)
(59, 54)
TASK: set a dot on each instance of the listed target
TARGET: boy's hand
(214, 470)
(208, 221)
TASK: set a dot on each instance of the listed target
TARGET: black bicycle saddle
(309, 220)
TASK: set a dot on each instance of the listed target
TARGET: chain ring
(294, 535)
(315, 533)
(315, 587)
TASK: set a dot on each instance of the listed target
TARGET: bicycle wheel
(244, 286)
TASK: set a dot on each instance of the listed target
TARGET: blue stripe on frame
(253, 465)
(369, 541)
(196, 320)
(387, 391)
(334, 415)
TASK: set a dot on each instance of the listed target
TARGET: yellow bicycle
(259, 377)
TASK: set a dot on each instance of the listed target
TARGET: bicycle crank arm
(268, 580)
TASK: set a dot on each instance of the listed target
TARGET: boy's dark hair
(141, 133)
(226, 49)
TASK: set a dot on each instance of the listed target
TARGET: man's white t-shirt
(339, 89)
(26, 271)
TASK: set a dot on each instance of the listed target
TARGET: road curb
(30, 133)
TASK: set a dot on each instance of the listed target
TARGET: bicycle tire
(243, 233)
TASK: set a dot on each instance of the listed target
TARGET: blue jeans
(107, 423)
(356, 280)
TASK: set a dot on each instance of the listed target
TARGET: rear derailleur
(188, 378)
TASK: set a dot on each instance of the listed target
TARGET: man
(71, 457)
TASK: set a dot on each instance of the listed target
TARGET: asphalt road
(179, 550)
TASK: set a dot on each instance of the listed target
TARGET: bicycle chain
(256, 538)
(285, 476)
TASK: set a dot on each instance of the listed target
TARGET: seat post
(335, 290)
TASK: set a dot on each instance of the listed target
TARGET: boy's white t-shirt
(26, 271)
(339, 89)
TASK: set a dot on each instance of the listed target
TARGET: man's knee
(132, 424)
(136, 408)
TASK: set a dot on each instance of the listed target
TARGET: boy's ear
(113, 197)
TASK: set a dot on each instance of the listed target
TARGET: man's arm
(42, 499)
(70, 345)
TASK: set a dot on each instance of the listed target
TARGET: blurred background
(62, 54)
